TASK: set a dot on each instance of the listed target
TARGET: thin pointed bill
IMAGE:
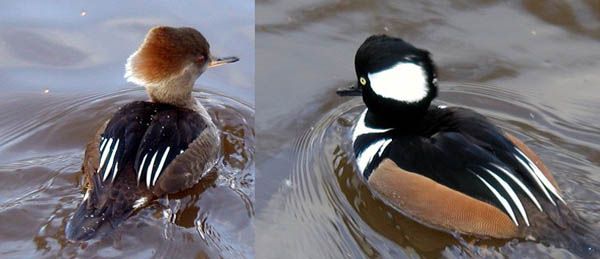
(353, 90)
(215, 62)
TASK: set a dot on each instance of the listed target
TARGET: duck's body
(438, 168)
(447, 167)
(150, 148)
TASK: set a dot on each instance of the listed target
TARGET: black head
(396, 79)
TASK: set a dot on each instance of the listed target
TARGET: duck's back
(145, 150)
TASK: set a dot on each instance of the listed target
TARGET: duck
(449, 168)
(154, 147)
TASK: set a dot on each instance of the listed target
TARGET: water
(42, 186)
(61, 76)
(530, 66)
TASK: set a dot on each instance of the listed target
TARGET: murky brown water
(61, 76)
(531, 66)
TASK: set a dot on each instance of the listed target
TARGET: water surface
(531, 66)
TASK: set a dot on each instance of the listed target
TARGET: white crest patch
(406, 82)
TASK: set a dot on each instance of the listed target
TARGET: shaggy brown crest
(166, 51)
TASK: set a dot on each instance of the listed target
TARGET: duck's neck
(179, 99)
(176, 90)
(398, 120)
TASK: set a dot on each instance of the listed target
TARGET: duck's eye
(362, 81)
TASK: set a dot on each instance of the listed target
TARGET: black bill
(215, 62)
(353, 90)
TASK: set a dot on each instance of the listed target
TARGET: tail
(582, 240)
(103, 209)
(576, 235)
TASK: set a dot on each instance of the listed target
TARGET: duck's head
(394, 78)
(170, 60)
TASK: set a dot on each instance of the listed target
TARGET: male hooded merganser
(150, 148)
(449, 168)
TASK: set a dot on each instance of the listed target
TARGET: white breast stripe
(160, 165)
(511, 193)
(141, 169)
(382, 148)
(105, 154)
(537, 180)
(149, 171)
(404, 82)
(542, 177)
(520, 184)
(503, 201)
(102, 144)
(361, 128)
(111, 160)
(367, 154)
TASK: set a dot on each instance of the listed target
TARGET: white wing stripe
(542, 177)
(512, 195)
(141, 169)
(105, 154)
(520, 184)
(503, 201)
(149, 171)
(115, 171)
(102, 144)
(160, 165)
(110, 161)
(537, 180)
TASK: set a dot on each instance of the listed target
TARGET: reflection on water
(40, 192)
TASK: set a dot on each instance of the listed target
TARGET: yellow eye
(362, 80)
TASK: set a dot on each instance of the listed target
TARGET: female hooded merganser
(449, 168)
(150, 148)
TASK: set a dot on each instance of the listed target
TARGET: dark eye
(200, 60)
